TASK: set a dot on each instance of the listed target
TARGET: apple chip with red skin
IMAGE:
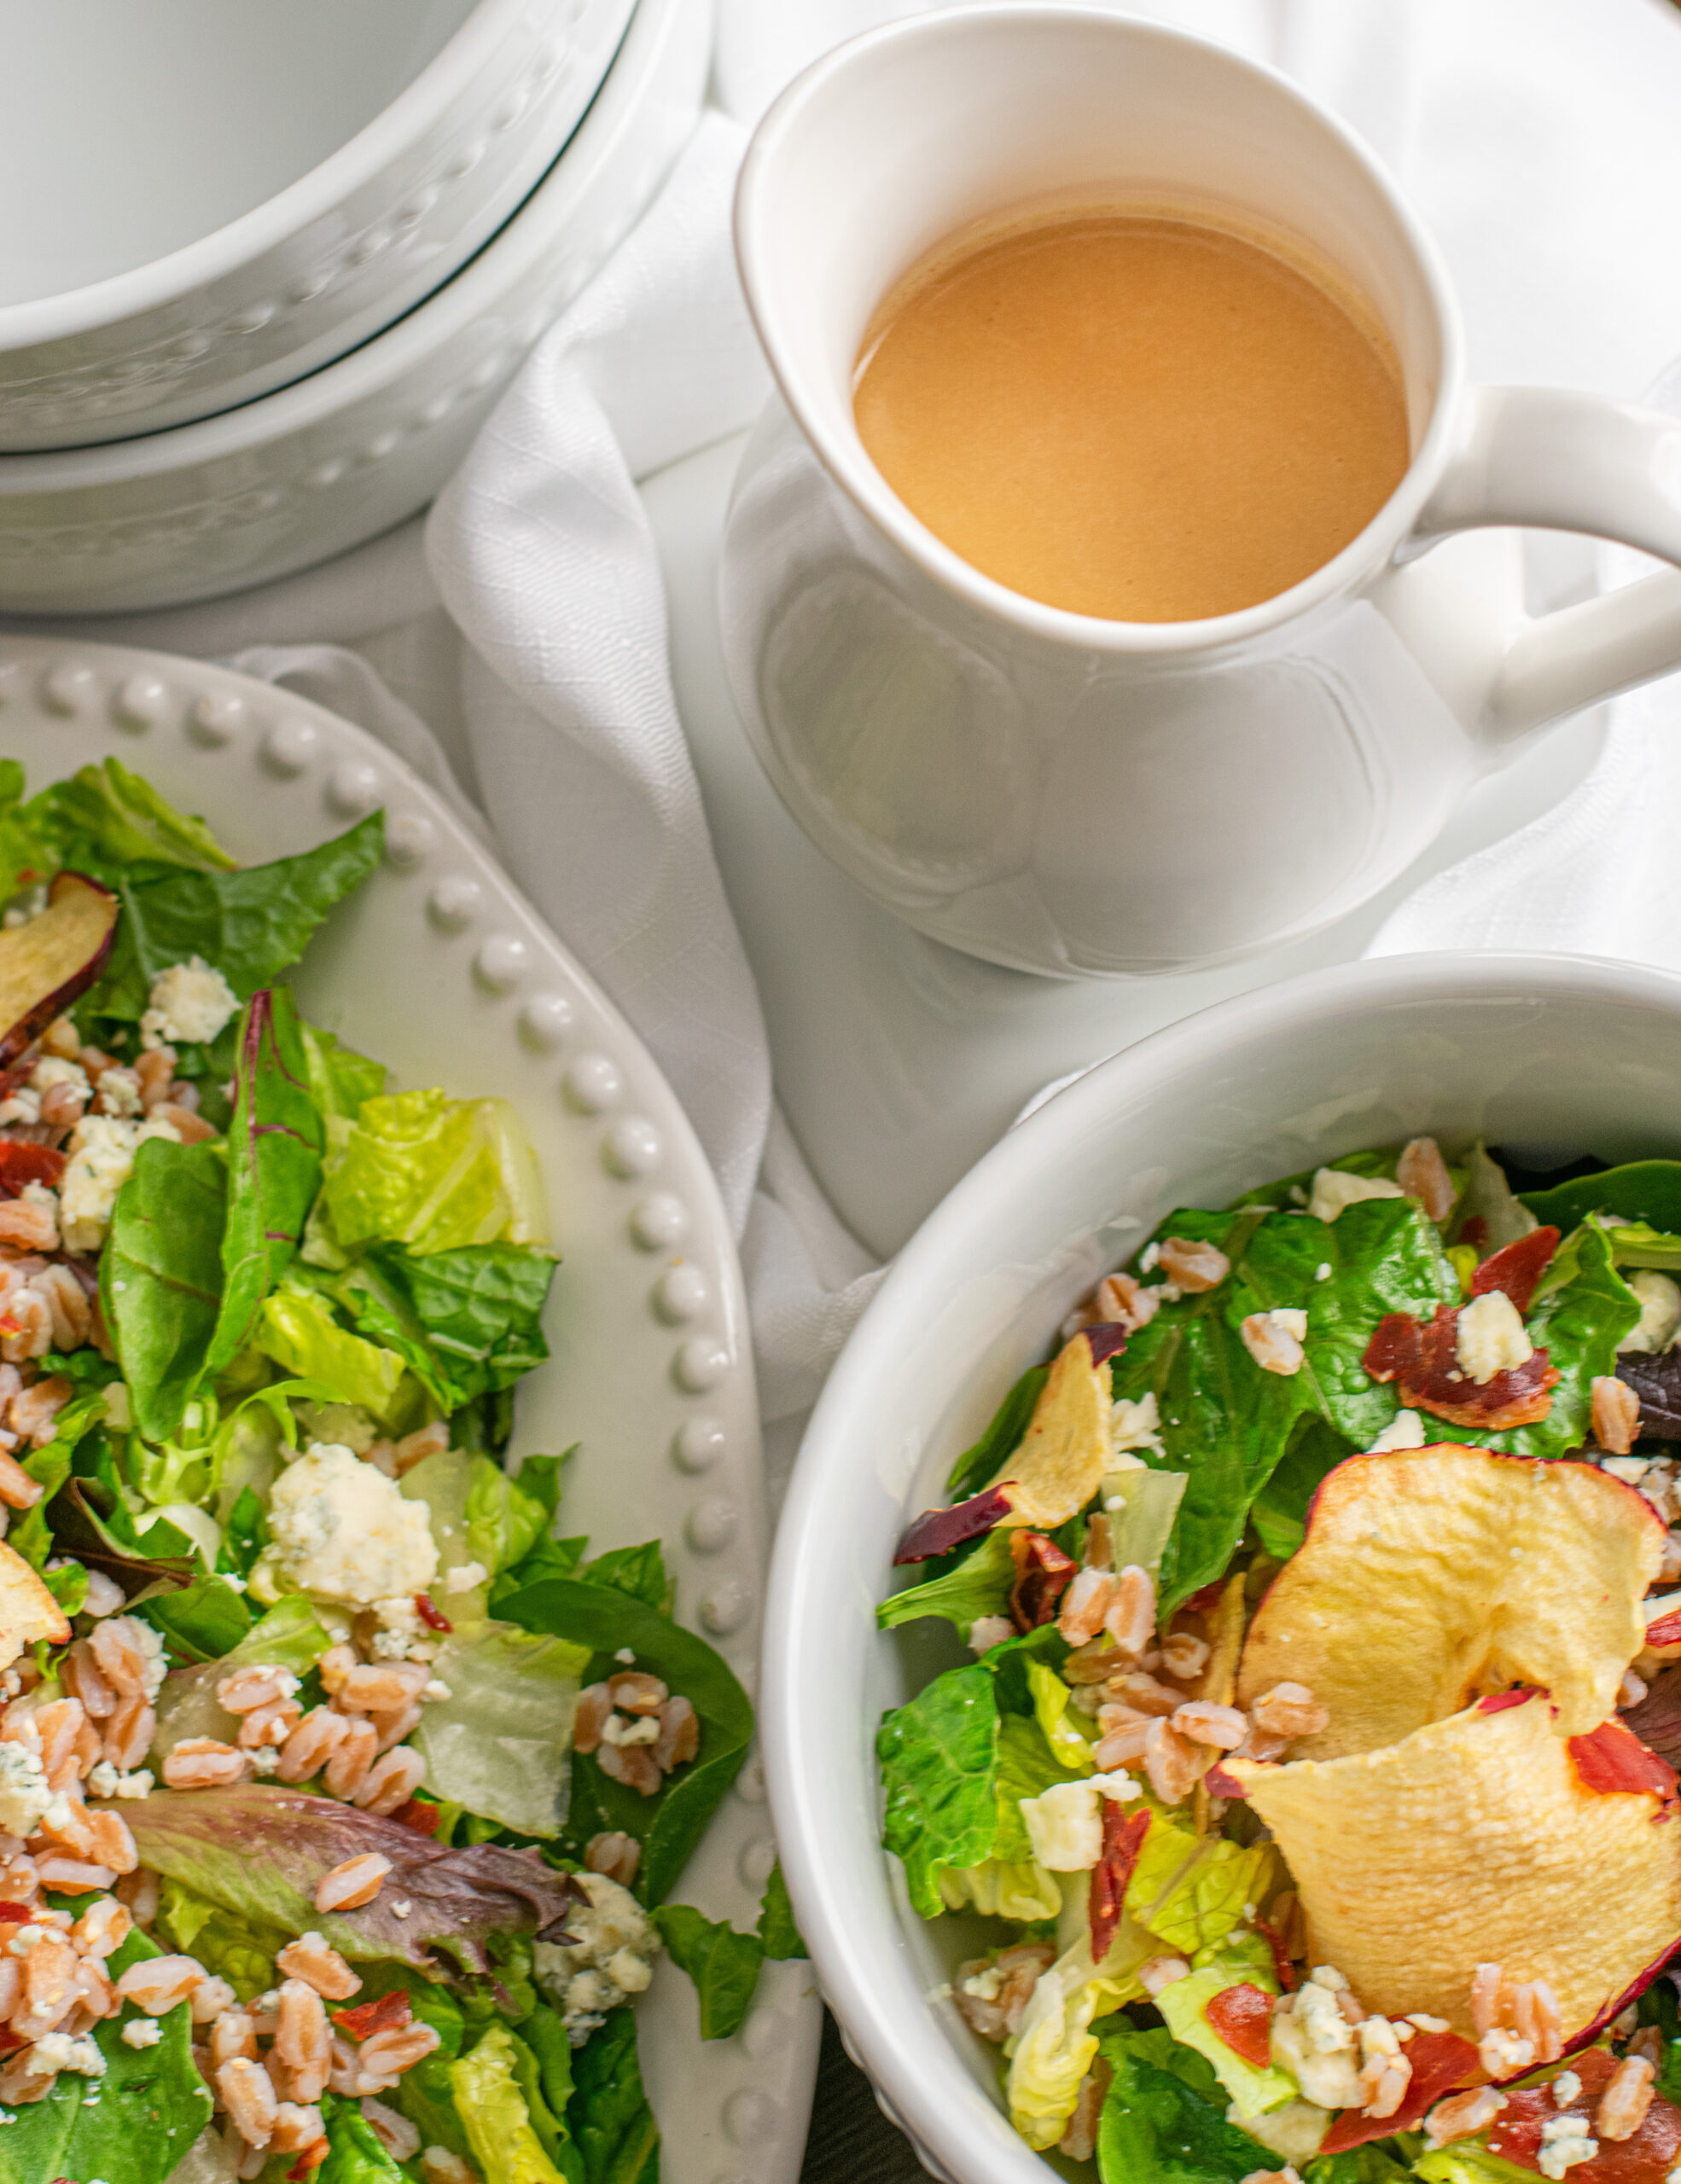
(1477, 1840)
(28, 1611)
(52, 961)
(1428, 1577)
(1058, 1467)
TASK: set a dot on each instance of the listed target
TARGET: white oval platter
(439, 968)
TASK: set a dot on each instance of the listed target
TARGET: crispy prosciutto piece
(1243, 2016)
(1419, 1356)
(1517, 1268)
(386, 2014)
(1664, 1630)
(1123, 1839)
(1042, 1575)
(1280, 1956)
(1442, 2063)
(1612, 1758)
(937, 1531)
(21, 1164)
(1646, 2158)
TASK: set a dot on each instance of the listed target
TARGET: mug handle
(1546, 459)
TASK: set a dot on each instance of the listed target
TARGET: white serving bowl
(302, 475)
(1554, 1055)
(207, 202)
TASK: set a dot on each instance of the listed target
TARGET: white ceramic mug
(1074, 796)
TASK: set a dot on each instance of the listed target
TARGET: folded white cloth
(515, 650)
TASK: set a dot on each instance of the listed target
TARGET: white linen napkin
(513, 648)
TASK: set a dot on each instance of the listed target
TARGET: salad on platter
(1309, 1796)
(340, 1799)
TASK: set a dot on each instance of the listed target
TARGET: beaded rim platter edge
(440, 969)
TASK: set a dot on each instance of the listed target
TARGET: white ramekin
(337, 255)
(1551, 1055)
(309, 471)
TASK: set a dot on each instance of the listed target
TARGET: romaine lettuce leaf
(478, 1308)
(1060, 1725)
(1182, 2004)
(274, 1149)
(1025, 1766)
(979, 1585)
(497, 1745)
(259, 1853)
(670, 1825)
(1464, 2162)
(1164, 2117)
(339, 1078)
(161, 1276)
(297, 1329)
(939, 1755)
(1001, 1889)
(505, 1517)
(436, 1174)
(493, 2111)
(133, 2124)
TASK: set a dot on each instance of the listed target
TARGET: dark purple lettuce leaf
(1657, 1382)
(260, 1851)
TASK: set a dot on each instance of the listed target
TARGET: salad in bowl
(341, 1798)
(1309, 1785)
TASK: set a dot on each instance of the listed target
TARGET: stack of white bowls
(265, 268)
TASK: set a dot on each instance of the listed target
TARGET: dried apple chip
(28, 1611)
(1475, 1840)
(1066, 1449)
(1428, 1577)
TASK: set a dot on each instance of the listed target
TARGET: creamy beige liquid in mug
(1135, 416)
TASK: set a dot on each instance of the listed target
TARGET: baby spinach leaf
(161, 1276)
(1164, 2115)
(274, 1167)
(979, 1585)
(608, 2112)
(638, 1571)
(1641, 1190)
(251, 923)
(1225, 1421)
(1280, 1513)
(136, 2123)
(669, 1825)
(976, 1466)
(778, 1935)
(940, 1757)
(244, 1534)
(723, 1965)
(202, 1621)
